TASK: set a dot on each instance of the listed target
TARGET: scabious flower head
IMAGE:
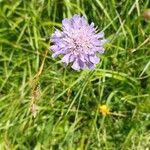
(79, 43)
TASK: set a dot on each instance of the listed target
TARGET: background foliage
(46, 105)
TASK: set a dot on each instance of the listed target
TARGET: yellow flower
(104, 110)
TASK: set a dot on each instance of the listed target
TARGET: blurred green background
(46, 105)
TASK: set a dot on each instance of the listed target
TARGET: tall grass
(46, 105)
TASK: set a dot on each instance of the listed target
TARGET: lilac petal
(91, 65)
(72, 58)
(65, 49)
(83, 21)
(91, 28)
(76, 65)
(103, 42)
(94, 59)
(58, 33)
(76, 21)
(56, 53)
(92, 25)
(53, 39)
(76, 17)
(66, 24)
(67, 34)
(100, 49)
(97, 42)
(66, 58)
(54, 48)
(81, 63)
(61, 44)
(90, 52)
(99, 35)
(82, 57)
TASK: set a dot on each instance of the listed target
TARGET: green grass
(45, 105)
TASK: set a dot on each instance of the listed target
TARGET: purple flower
(79, 43)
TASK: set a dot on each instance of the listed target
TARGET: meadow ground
(47, 105)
